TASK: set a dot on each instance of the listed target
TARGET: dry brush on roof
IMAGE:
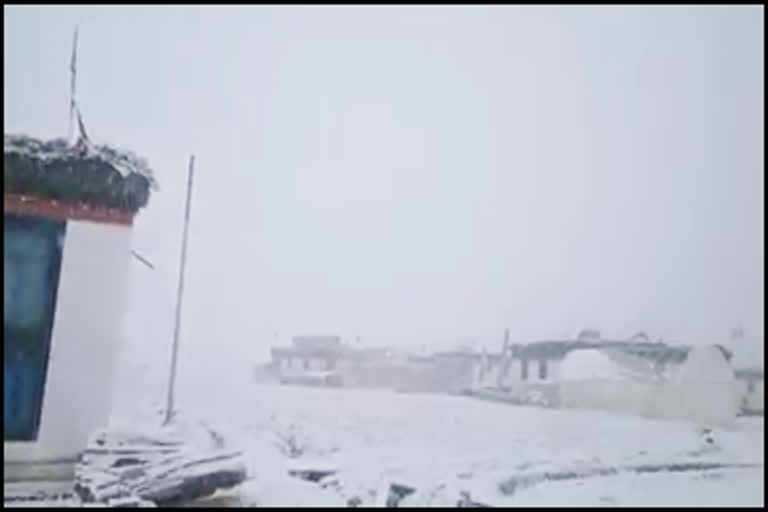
(82, 173)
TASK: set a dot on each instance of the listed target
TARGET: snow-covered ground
(443, 446)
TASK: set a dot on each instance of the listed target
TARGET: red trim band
(62, 210)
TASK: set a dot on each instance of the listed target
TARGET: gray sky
(422, 175)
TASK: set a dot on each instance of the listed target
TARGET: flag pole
(72, 81)
(179, 296)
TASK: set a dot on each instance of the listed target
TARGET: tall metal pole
(179, 296)
(72, 79)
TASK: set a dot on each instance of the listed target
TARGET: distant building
(748, 362)
(652, 379)
(640, 336)
(309, 356)
(317, 342)
(386, 370)
(588, 335)
(326, 361)
(459, 370)
(751, 385)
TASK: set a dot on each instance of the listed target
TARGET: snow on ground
(738, 488)
(444, 445)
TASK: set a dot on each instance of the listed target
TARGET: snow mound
(699, 388)
(703, 364)
(589, 364)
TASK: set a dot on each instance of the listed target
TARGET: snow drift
(701, 388)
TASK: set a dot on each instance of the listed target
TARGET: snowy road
(444, 445)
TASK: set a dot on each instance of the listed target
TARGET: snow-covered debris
(39, 494)
(161, 467)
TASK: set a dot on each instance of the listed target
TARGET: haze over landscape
(421, 176)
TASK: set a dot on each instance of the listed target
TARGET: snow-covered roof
(554, 349)
(316, 341)
(289, 352)
(83, 172)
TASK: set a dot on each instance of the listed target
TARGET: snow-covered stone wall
(85, 343)
(519, 383)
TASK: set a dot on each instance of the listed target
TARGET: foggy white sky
(422, 175)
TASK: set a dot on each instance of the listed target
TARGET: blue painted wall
(32, 252)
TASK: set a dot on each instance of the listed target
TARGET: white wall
(295, 365)
(751, 400)
(553, 371)
(85, 344)
(705, 403)
(512, 375)
(317, 364)
(755, 400)
(513, 378)
(702, 389)
(485, 375)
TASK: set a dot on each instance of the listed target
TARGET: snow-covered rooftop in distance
(658, 352)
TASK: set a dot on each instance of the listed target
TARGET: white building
(531, 372)
(637, 376)
(751, 385)
(308, 356)
(68, 214)
(748, 363)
